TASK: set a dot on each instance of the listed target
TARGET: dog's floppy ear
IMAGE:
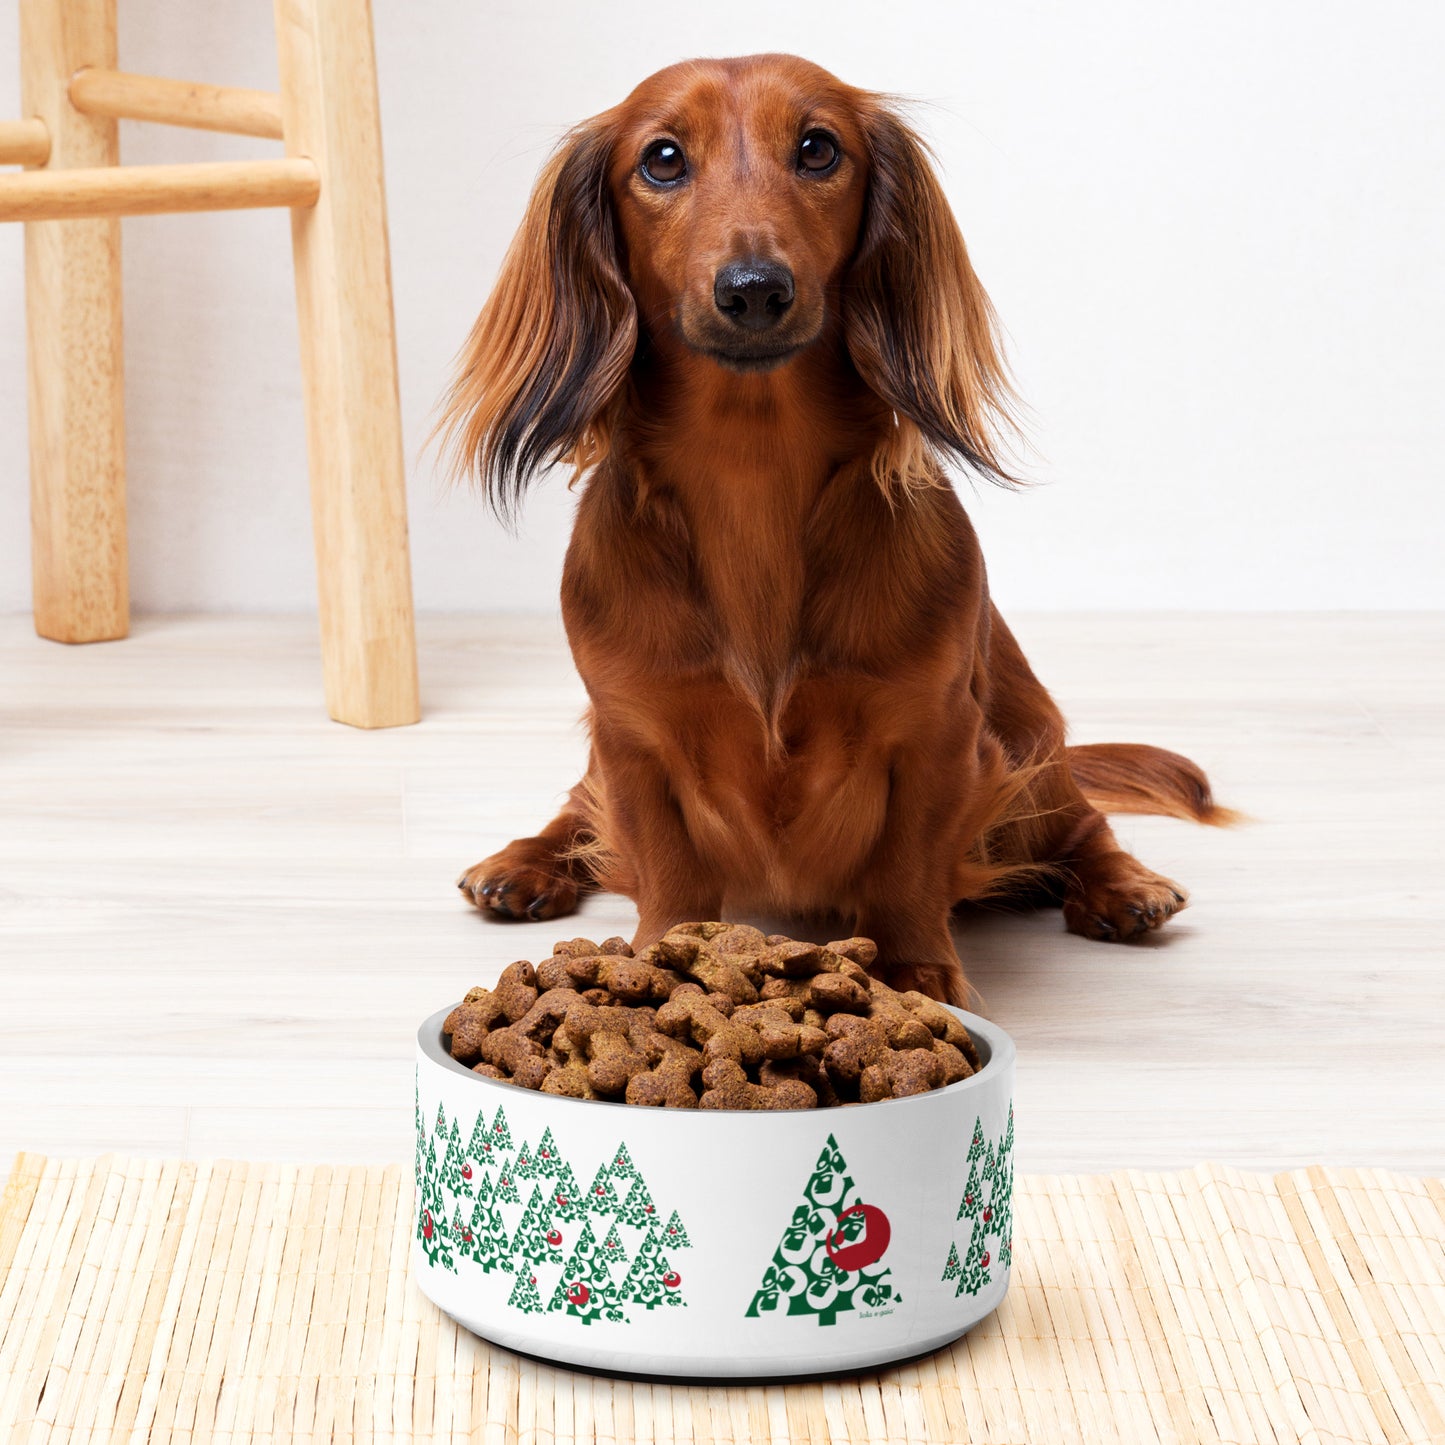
(919, 325)
(544, 362)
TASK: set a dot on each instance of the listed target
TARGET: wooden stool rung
(123, 96)
(24, 142)
(62, 195)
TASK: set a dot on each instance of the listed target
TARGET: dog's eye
(664, 162)
(818, 152)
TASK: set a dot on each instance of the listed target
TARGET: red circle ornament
(579, 1294)
(877, 1232)
(672, 1279)
(650, 1210)
(426, 1225)
(554, 1237)
(987, 1215)
(467, 1235)
(985, 1259)
(561, 1203)
(466, 1171)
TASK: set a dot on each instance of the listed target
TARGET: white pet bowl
(701, 1244)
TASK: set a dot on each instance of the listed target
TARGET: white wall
(1214, 232)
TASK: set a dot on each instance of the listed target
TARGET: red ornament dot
(561, 1203)
(985, 1259)
(649, 1209)
(987, 1215)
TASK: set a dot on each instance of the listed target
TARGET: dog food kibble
(712, 1016)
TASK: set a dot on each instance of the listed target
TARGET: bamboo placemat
(153, 1300)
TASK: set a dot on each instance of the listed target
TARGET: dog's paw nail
(1176, 895)
(535, 907)
(1106, 929)
(487, 890)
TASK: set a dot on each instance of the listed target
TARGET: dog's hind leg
(1106, 892)
(539, 877)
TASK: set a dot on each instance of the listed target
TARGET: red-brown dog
(740, 305)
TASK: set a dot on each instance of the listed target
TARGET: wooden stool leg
(348, 359)
(72, 296)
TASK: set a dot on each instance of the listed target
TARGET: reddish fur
(802, 698)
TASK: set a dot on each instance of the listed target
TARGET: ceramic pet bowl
(694, 1243)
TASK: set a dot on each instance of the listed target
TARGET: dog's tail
(1135, 778)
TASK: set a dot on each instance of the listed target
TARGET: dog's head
(730, 214)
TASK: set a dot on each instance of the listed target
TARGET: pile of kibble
(713, 1016)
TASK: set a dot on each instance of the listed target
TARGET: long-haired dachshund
(740, 307)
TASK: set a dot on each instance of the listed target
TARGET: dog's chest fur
(774, 657)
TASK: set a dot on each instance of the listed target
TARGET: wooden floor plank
(260, 903)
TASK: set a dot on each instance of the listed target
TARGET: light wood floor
(222, 916)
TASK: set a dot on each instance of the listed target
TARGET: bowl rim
(1001, 1059)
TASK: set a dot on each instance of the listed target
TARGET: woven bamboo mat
(164, 1300)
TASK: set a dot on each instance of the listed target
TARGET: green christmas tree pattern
(952, 1269)
(584, 1290)
(431, 1217)
(613, 1250)
(568, 1201)
(601, 1196)
(507, 1186)
(803, 1278)
(486, 1239)
(467, 1182)
(548, 1157)
(987, 1205)
(638, 1208)
(524, 1294)
(501, 1134)
(479, 1151)
(652, 1280)
(538, 1238)
(452, 1177)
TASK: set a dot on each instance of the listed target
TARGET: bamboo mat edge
(1205, 1305)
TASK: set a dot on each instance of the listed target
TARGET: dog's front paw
(513, 885)
(1116, 899)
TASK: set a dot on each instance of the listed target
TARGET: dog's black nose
(754, 294)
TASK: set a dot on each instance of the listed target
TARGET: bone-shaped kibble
(516, 989)
(630, 980)
(571, 1081)
(695, 1018)
(807, 1069)
(605, 1034)
(668, 1084)
(899, 1074)
(726, 1086)
(470, 1022)
(862, 951)
(717, 973)
(547, 1012)
(797, 960)
(521, 1057)
(941, 1024)
(781, 1036)
(832, 993)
